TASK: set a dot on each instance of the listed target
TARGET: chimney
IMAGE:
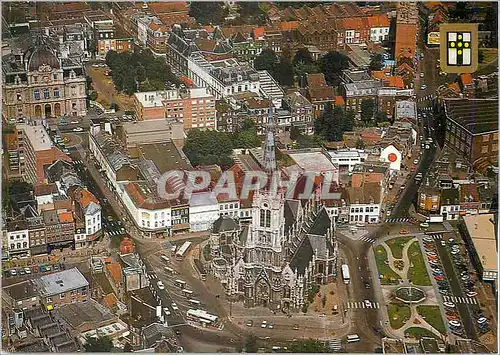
(475, 225)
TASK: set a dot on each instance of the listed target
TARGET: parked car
(403, 231)
(174, 306)
(423, 87)
(471, 294)
(27, 270)
(424, 225)
(449, 304)
(160, 285)
(250, 323)
(78, 129)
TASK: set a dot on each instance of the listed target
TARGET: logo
(459, 47)
(392, 157)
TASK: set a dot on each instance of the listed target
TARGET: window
(486, 138)
(62, 295)
(19, 97)
(55, 76)
(12, 246)
(35, 79)
(18, 245)
(49, 299)
(56, 92)
(25, 245)
(46, 94)
(268, 218)
(36, 94)
(484, 149)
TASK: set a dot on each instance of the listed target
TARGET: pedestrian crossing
(113, 233)
(367, 239)
(77, 162)
(335, 344)
(362, 304)
(435, 236)
(456, 299)
(399, 220)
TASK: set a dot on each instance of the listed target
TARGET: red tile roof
(289, 26)
(115, 271)
(258, 32)
(316, 80)
(339, 101)
(65, 217)
(466, 79)
(394, 82)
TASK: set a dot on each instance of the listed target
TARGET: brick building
(63, 287)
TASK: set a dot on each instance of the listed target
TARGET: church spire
(269, 148)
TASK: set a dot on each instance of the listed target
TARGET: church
(287, 247)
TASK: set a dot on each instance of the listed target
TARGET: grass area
(416, 332)
(417, 272)
(432, 316)
(398, 314)
(386, 274)
(397, 244)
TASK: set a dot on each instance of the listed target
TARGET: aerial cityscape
(258, 177)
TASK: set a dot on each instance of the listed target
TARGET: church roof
(291, 210)
(244, 235)
(321, 223)
(223, 224)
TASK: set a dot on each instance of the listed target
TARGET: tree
(98, 345)
(480, 56)
(294, 133)
(303, 56)
(349, 120)
(251, 345)
(93, 96)
(127, 348)
(360, 144)
(330, 124)
(332, 65)
(376, 61)
(461, 11)
(381, 117)
(266, 60)
(251, 13)
(208, 12)
(367, 110)
(308, 346)
(284, 71)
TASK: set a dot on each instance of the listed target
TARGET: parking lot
(456, 282)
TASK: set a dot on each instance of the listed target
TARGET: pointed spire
(269, 148)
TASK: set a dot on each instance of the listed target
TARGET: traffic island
(386, 274)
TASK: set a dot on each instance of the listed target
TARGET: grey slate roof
(291, 210)
(61, 281)
(224, 224)
(321, 223)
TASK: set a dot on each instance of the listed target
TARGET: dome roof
(43, 56)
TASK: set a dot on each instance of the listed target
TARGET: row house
(88, 210)
(157, 36)
(365, 203)
(319, 97)
(323, 35)
(301, 111)
(355, 93)
(36, 231)
(18, 238)
(59, 229)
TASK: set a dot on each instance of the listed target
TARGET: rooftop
(481, 229)
(166, 156)
(406, 109)
(61, 281)
(150, 98)
(475, 115)
(37, 135)
(313, 161)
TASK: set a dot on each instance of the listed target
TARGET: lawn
(398, 314)
(417, 273)
(432, 315)
(387, 275)
(397, 245)
(418, 333)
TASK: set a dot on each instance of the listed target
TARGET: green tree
(251, 345)
(303, 56)
(98, 345)
(111, 58)
(360, 144)
(93, 96)
(376, 61)
(308, 346)
(208, 12)
(294, 133)
(381, 117)
(332, 65)
(266, 60)
(349, 121)
(480, 56)
(367, 110)
(284, 71)
(330, 123)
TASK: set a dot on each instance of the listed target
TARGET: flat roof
(37, 135)
(481, 229)
(166, 156)
(406, 109)
(475, 115)
(61, 281)
(196, 93)
(150, 98)
(313, 161)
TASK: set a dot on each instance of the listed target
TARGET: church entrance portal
(48, 111)
(262, 293)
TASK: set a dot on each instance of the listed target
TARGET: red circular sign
(392, 157)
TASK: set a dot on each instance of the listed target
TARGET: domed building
(39, 84)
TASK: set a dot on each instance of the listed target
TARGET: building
(406, 111)
(320, 96)
(450, 204)
(151, 131)
(472, 129)
(195, 107)
(36, 151)
(479, 235)
(59, 229)
(36, 231)
(149, 105)
(40, 84)
(407, 21)
(346, 159)
(18, 238)
(301, 111)
(63, 287)
(203, 211)
(354, 93)
(21, 295)
(428, 199)
(365, 203)
(88, 210)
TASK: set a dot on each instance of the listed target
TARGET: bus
(345, 274)
(202, 317)
(194, 302)
(180, 283)
(183, 250)
(165, 259)
(187, 293)
(169, 270)
(352, 338)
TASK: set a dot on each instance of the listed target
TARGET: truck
(345, 273)
(434, 219)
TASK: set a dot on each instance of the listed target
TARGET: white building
(406, 110)
(203, 211)
(347, 158)
(229, 208)
(222, 78)
(379, 34)
(391, 155)
(17, 238)
(365, 203)
(450, 204)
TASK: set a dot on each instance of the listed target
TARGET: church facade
(276, 259)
